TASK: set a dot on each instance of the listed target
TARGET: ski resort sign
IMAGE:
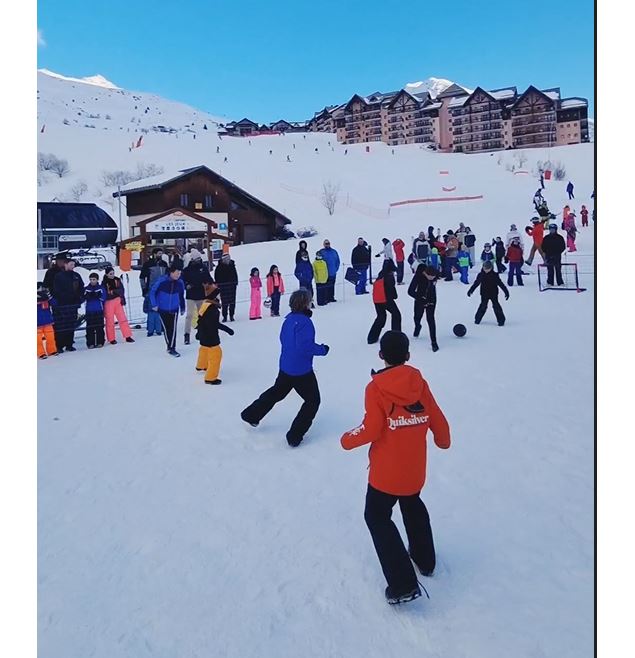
(176, 223)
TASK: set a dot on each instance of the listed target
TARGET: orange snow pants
(113, 309)
(46, 333)
(209, 358)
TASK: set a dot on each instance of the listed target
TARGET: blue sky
(289, 59)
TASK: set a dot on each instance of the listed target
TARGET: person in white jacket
(513, 233)
(386, 251)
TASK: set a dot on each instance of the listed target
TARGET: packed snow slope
(168, 527)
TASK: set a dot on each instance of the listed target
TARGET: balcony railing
(528, 120)
(549, 130)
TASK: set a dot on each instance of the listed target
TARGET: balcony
(528, 120)
(547, 130)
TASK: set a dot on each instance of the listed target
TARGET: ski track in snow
(168, 527)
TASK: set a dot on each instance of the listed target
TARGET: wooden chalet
(196, 207)
(241, 128)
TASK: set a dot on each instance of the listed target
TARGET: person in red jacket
(384, 296)
(514, 257)
(399, 411)
(537, 232)
(398, 246)
(584, 213)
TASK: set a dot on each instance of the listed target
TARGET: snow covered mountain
(434, 86)
(97, 80)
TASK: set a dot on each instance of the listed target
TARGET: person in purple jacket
(297, 337)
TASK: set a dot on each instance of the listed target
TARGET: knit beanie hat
(394, 346)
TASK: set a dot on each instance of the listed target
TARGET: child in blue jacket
(94, 296)
(304, 273)
(464, 261)
(167, 297)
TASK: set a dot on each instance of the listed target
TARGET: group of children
(104, 303)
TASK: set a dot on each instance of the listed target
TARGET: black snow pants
(393, 556)
(420, 308)
(169, 321)
(498, 311)
(306, 386)
(95, 329)
(380, 320)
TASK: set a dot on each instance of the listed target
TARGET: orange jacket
(275, 280)
(400, 409)
(537, 232)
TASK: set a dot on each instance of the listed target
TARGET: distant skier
(218, 149)
(399, 411)
(489, 283)
(297, 338)
(570, 190)
(542, 180)
(288, 159)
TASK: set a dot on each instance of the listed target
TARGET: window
(49, 242)
(209, 201)
(184, 200)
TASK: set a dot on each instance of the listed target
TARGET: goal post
(570, 280)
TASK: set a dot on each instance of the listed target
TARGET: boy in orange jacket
(400, 409)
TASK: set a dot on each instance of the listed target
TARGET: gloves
(326, 349)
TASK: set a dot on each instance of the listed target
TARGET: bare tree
(330, 195)
(559, 171)
(60, 167)
(522, 158)
(78, 190)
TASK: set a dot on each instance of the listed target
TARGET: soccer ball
(459, 330)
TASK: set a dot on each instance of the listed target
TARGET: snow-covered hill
(167, 527)
(432, 85)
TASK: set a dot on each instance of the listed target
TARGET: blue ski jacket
(168, 294)
(332, 259)
(95, 297)
(304, 272)
(297, 337)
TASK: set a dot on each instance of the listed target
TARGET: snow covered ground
(168, 527)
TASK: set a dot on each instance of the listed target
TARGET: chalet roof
(459, 101)
(553, 93)
(433, 106)
(405, 92)
(549, 96)
(158, 182)
(453, 90)
(244, 121)
(274, 123)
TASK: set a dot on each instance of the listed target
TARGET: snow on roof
(152, 181)
(568, 103)
(433, 106)
(458, 102)
(554, 95)
(502, 94)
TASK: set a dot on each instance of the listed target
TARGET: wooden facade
(201, 190)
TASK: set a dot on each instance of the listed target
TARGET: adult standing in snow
(570, 190)
(553, 246)
(513, 233)
(332, 259)
(154, 268)
(360, 262)
(470, 244)
(297, 338)
(423, 290)
(68, 292)
(489, 282)
(194, 276)
(58, 265)
(302, 251)
(167, 297)
(460, 233)
(227, 280)
(536, 231)
(386, 250)
(421, 248)
(397, 470)
(398, 246)
(384, 296)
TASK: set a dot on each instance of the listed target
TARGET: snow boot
(186, 339)
(253, 424)
(214, 382)
(404, 597)
(293, 441)
(113, 342)
(130, 339)
(417, 331)
(173, 353)
(435, 347)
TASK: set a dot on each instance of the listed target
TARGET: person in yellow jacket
(210, 354)
(321, 272)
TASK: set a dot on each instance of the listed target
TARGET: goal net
(569, 278)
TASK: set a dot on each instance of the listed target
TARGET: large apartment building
(458, 119)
